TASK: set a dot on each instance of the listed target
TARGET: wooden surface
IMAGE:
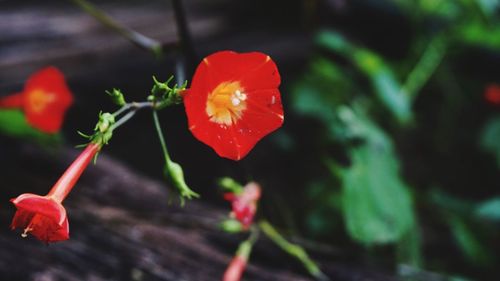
(122, 228)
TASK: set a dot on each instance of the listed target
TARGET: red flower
(44, 100)
(41, 216)
(492, 94)
(244, 205)
(234, 101)
(44, 216)
(235, 269)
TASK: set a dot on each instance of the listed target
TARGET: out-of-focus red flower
(235, 269)
(492, 94)
(44, 100)
(234, 101)
(44, 216)
(244, 205)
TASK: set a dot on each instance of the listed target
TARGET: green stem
(173, 170)
(161, 138)
(292, 249)
(133, 36)
(133, 105)
(426, 66)
(124, 119)
(245, 247)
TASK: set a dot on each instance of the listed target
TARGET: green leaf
(377, 204)
(490, 136)
(13, 123)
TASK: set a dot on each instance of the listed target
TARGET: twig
(135, 37)
(186, 42)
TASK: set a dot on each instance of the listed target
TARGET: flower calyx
(163, 95)
(117, 97)
(103, 130)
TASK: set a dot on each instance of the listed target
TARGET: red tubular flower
(235, 269)
(44, 216)
(244, 205)
(44, 100)
(492, 94)
(234, 101)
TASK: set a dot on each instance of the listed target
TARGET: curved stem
(135, 37)
(292, 249)
(425, 67)
(124, 119)
(183, 32)
(160, 137)
(133, 105)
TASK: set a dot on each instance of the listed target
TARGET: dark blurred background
(389, 154)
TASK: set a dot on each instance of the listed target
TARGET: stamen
(26, 231)
(226, 103)
(235, 101)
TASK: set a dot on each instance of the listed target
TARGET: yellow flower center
(37, 100)
(226, 103)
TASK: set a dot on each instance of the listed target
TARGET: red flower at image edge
(234, 101)
(492, 94)
(44, 216)
(244, 205)
(44, 100)
(235, 269)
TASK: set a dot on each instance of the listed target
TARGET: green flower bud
(231, 226)
(117, 97)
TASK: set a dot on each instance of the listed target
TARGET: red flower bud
(44, 216)
(44, 100)
(244, 205)
(235, 269)
(234, 101)
(492, 94)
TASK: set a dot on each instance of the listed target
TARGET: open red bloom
(41, 216)
(44, 216)
(234, 101)
(45, 100)
(244, 205)
(492, 94)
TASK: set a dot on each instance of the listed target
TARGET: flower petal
(41, 216)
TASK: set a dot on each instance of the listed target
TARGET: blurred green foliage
(13, 123)
(370, 108)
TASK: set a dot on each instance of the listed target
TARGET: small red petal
(12, 101)
(492, 94)
(244, 205)
(229, 196)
